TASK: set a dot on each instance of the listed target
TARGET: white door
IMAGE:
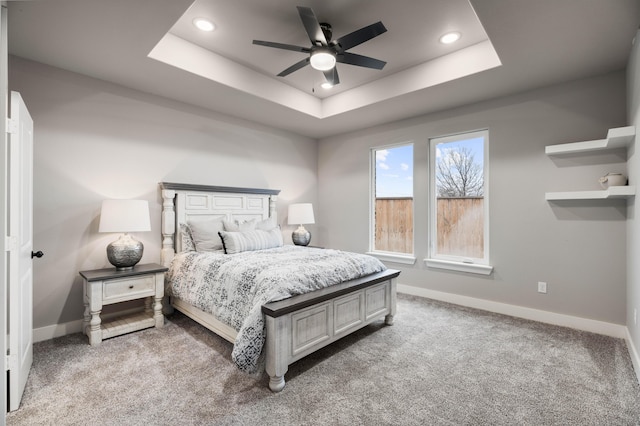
(20, 218)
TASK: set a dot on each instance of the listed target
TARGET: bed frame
(297, 326)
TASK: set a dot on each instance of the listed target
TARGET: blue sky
(394, 171)
(394, 166)
(474, 144)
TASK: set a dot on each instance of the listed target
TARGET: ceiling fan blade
(360, 36)
(332, 76)
(294, 67)
(312, 26)
(282, 46)
(359, 60)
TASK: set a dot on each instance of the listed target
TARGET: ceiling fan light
(322, 60)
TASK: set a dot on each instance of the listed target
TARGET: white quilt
(233, 287)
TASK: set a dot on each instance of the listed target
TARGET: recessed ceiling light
(326, 85)
(204, 24)
(451, 37)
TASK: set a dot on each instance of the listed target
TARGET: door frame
(4, 98)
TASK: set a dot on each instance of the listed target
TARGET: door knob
(37, 254)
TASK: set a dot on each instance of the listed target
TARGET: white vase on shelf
(612, 179)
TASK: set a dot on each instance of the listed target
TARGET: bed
(291, 323)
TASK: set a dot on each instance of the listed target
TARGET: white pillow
(249, 225)
(236, 242)
(237, 226)
(205, 234)
(267, 224)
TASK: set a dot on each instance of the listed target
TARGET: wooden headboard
(182, 202)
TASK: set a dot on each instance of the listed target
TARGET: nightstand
(107, 286)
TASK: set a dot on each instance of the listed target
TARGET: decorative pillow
(249, 225)
(267, 224)
(237, 226)
(186, 239)
(236, 242)
(205, 234)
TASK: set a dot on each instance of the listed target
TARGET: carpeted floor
(440, 364)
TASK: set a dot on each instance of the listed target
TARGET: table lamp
(124, 216)
(300, 214)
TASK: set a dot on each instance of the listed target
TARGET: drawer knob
(130, 287)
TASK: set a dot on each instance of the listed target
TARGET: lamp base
(301, 237)
(125, 252)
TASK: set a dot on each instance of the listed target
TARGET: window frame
(451, 262)
(397, 257)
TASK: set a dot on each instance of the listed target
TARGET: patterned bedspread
(233, 287)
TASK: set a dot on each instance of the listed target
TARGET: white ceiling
(150, 45)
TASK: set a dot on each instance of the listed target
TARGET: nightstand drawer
(125, 289)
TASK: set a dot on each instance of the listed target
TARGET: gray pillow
(205, 234)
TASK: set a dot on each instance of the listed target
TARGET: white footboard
(303, 324)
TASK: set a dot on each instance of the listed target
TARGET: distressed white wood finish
(168, 226)
(184, 202)
(206, 319)
(294, 335)
(297, 326)
(107, 286)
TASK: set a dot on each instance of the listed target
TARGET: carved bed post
(277, 364)
(272, 207)
(388, 319)
(168, 227)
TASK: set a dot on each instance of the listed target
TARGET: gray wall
(95, 140)
(578, 248)
(633, 252)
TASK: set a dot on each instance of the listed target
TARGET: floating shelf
(620, 137)
(605, 194)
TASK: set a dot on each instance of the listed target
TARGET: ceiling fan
(325, 52)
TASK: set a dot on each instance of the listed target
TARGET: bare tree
(458, 175)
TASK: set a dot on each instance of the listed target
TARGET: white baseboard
(56, 330)
(599, 327)
(59, 330)
(585, 324)
(633, 353)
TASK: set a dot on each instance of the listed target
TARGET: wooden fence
(460, 225)
(394, 224)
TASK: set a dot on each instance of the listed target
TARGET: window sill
(472, 268)
(405, 259)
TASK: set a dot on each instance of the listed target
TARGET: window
(392, 204)
(459, 203)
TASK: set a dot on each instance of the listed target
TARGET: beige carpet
(439, 364)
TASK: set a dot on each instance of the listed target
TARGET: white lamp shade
(124, 216)
(302, 213)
